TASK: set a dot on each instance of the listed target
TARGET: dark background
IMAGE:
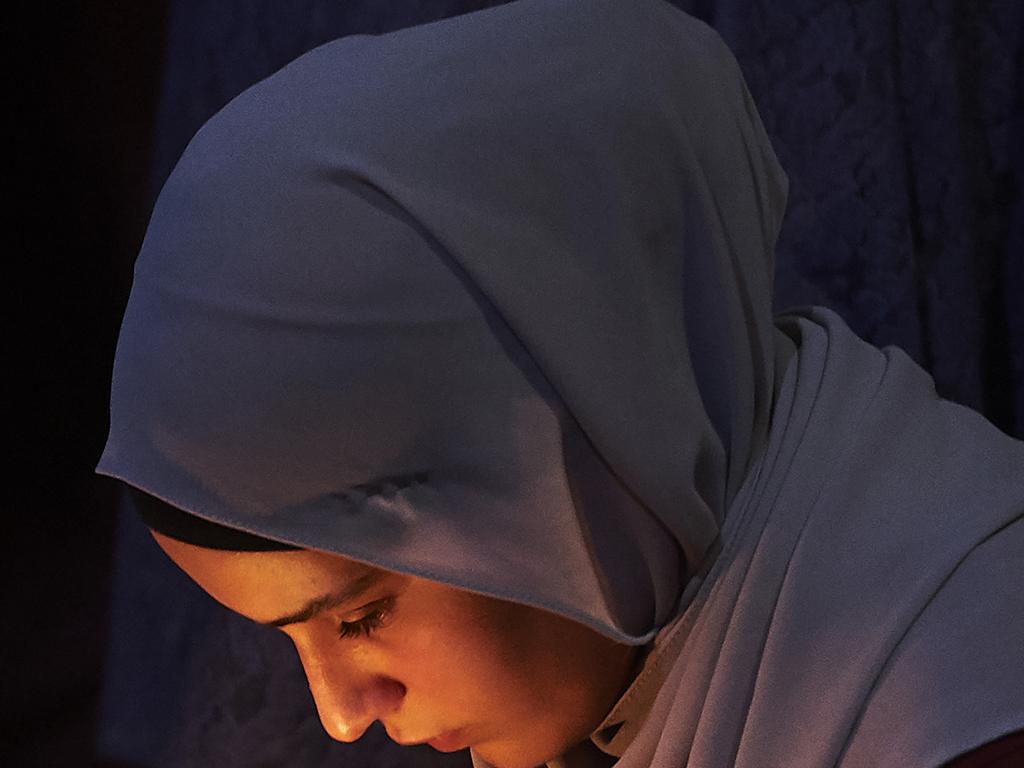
(899, 122)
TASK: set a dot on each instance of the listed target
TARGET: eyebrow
(324, 602)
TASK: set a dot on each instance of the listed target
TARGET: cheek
(539, 665)
(478, 652)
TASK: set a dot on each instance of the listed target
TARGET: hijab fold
(524, 256)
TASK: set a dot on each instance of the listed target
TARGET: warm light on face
(431, 662)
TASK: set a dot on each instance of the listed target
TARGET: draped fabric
(857, 616)
(736, 434)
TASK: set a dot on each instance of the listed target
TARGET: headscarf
(488, 301)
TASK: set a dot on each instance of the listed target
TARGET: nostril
(383, 696)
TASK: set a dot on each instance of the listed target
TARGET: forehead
(262, 585)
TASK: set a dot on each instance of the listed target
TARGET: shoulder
(953, 682)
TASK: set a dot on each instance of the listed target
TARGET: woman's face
(433, 663)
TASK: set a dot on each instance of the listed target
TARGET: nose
(348, 699)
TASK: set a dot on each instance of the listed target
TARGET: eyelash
(365, 626)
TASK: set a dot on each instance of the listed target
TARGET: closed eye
(369, 623)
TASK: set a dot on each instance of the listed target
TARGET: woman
(450, 353)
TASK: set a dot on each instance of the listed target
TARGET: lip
(449, 741)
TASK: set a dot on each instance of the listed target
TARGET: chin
(510, 755)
